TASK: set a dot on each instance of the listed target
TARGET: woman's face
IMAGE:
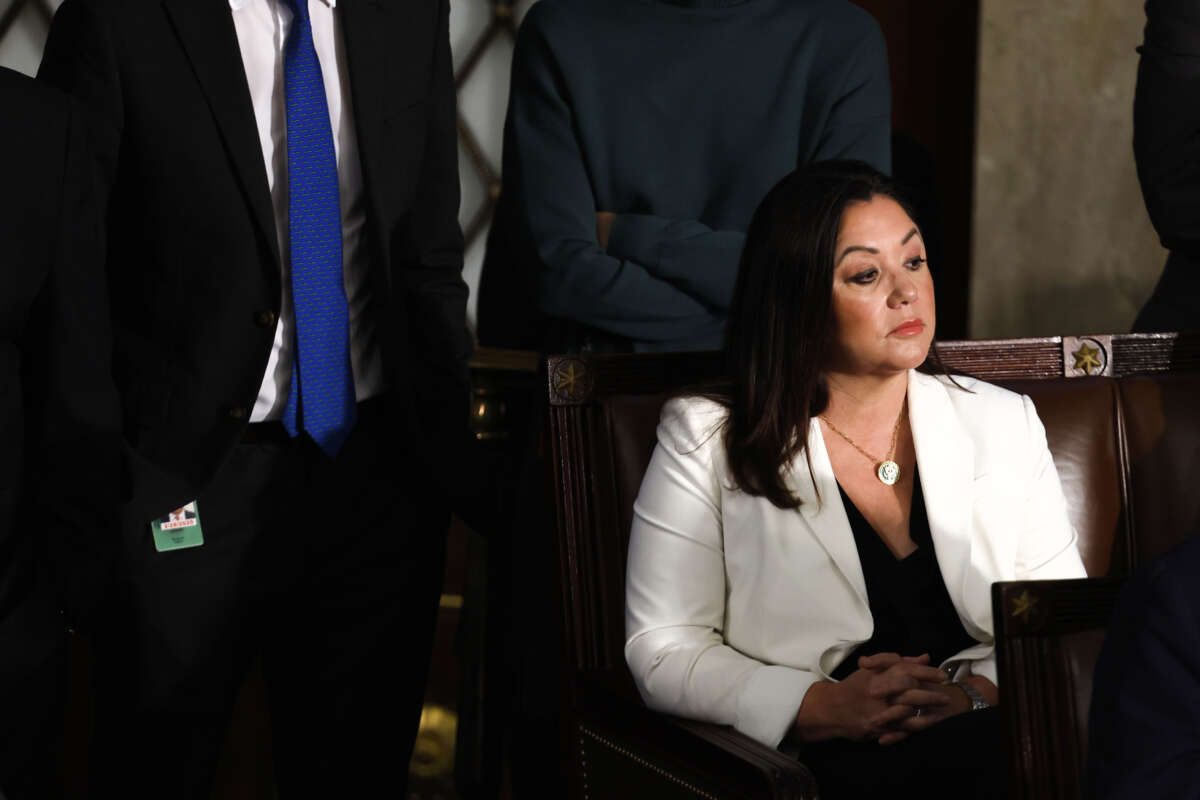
(883, 307)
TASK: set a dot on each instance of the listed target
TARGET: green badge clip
(179, 529)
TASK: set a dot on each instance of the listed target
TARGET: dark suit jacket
(59, 444)
(193, 262)
(1144, 724)
(1166, 143)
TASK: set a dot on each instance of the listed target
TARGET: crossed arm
(648, 278)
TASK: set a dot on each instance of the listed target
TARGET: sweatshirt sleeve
(688, 254)
(555, 202)
(703, 262)
(675, 595)
(859, 121)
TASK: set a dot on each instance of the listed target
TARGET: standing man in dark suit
(1144, 723)
(59, 429)
(1166, 144)
(284, 258)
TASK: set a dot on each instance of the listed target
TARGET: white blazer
(734, 607)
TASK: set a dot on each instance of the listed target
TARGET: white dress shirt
(735, 607)
(262, 28)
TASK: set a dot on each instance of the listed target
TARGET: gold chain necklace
(887, 470)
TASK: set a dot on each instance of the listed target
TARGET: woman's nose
(904, 291)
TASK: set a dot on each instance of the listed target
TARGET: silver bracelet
(973, 695)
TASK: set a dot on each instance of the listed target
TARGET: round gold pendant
(888, 472)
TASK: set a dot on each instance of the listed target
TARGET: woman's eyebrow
(873, 251)
(852, 248)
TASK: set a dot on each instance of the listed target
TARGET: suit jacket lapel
(826, 517)
(206, 31)
(365, 26)
(946, 461)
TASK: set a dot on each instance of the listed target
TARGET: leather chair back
(1162, 439)
(1083, 426)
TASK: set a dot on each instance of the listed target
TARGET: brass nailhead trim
(633, 757)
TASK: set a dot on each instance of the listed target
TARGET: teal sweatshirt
(678, 117)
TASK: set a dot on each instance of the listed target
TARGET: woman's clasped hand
(888, 697)
(896, 695)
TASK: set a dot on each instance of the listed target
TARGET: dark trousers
(330, 570)
(960, 758)
(32, 696)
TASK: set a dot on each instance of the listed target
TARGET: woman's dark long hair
(780, 333)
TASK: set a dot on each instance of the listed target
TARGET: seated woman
(814, 542)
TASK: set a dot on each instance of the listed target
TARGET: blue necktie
(321, 400)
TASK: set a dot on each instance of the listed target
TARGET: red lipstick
(910, 328)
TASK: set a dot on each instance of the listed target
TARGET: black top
(909, 603)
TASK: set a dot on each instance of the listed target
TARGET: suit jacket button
(265, 319)
(238, 413)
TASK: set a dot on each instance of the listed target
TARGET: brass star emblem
(1024, 605)
(568, 379)
(1087, 358)
(572, 380)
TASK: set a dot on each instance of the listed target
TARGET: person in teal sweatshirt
(640, 137)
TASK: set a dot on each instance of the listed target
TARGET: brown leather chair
(1115, 411)
(1049, 634)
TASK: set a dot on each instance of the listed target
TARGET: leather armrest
(625, 749)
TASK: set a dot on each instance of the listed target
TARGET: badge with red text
(177, 529)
